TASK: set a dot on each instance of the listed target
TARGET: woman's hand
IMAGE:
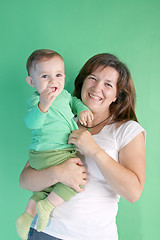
(71, 172)
(126, 177)
(83, 139)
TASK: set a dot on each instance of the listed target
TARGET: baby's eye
(58, 75)
(45, 76)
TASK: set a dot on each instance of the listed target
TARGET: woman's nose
(98, 86)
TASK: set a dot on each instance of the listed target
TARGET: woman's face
(99, 89)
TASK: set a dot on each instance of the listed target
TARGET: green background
(78, 29)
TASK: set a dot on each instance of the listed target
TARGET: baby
(50, 116)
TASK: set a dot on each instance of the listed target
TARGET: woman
(112, 150)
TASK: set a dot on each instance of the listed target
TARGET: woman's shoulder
(127, 124)
(126, 131)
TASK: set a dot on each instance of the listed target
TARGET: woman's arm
(126, 177)
(71, 173)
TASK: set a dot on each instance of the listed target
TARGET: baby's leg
(44, 208)
(24, 221)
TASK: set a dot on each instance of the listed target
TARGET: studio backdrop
(79, 29)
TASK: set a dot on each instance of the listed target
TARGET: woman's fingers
(77, 161)
(72, 173)
(80, 188)
(85, 176)
(84, 141)
(79, 137)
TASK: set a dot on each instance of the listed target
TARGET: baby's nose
(52, 80)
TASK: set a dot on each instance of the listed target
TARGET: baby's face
(49, 74)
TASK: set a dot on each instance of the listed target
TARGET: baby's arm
(34, 118)
(84, 114)
(46, 99)
(38, 106)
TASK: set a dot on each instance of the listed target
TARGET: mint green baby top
(50, 130)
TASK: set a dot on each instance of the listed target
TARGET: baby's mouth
(54, 89)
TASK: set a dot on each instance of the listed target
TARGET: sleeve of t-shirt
(77, 105)
(127, 132)
(34, 118)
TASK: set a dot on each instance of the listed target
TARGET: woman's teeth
(95, 97)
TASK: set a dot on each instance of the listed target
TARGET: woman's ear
(30, 81)
(115, 99)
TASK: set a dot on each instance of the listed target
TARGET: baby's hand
(86, 117)
(47, 96)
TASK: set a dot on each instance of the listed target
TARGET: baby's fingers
(83, 120)
(89, 119)
(91, 116)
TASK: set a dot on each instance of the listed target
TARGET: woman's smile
(94, 97)
(99, 89)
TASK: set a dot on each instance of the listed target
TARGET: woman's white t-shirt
(91, 214)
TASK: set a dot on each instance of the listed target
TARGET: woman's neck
(98, 118)
(97, 125)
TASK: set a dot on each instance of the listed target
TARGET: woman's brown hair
(123, 109)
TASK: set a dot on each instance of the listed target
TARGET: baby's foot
(44, 208)
(23, 224)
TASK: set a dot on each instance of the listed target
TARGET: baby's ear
(30, 81)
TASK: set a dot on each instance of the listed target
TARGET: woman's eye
(108, 85)
(92, 78)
